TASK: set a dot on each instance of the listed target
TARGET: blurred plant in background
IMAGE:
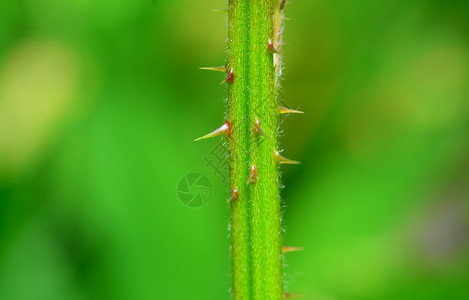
(97, 102)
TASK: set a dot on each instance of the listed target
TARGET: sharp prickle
(222, 130)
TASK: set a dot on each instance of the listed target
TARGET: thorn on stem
(252, 175)
(229, 77)
(284, 110)
(284, 160)
(271, 48)
(222, 130)
(286, 249)
(257, 126)
(218, 69)
(234, 195)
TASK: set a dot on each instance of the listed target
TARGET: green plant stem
(265, 205)
(238, 100)
(255, 214)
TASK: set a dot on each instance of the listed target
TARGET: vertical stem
(265, 206)
(253, 121)
(238, 100)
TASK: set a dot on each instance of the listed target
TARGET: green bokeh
(100, 102)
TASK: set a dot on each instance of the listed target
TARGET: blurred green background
(100, 101)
